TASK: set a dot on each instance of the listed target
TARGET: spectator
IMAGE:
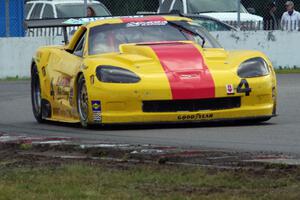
(291, 18)
(90, 12)
(270, 21)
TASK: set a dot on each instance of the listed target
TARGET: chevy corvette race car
(151, 69)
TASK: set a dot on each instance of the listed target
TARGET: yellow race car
(149, 69)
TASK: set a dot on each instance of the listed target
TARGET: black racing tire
(82, 102)
(36, 99)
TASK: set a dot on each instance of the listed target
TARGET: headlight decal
(111, 74)
(254, 67)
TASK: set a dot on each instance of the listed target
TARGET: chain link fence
(271, 11)
(131, 7)
(260, 8)
(12, 11)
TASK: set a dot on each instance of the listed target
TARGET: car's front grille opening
(191, 105)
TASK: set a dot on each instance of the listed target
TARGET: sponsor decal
(142, 19)
(188, 75)
(52, 88)
(230, 89)
(61, 84)
(97, 112)
(44, 71)
(92, 19)
(195, 117)
(63, 81)
(64, 113)
(71, 96)
(148, 23)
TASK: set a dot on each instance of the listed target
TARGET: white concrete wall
(16, 54)
(282, 48)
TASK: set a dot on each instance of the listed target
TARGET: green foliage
(282, 70)
(79, 181)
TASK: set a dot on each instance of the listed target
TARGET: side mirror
(251, 10)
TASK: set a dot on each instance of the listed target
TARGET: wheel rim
(37, 94)
(83, 102)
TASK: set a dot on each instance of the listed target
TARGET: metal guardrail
(290, 25)
(267, 25)
(49, 31)
(49, 27)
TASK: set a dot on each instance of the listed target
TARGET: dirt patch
(37, 151)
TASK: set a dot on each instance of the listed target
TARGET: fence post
(85, 7)
(7, 25)
(239, 13)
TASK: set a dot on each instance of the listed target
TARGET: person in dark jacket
(270, 20)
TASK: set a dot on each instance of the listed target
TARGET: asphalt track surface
(281, 134)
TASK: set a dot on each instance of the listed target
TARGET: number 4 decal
(244, 87)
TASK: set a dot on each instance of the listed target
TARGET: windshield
(212, 25)
(78, 10)
(107, 38)
(206, 6)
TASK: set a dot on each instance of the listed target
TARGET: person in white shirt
(290, 20)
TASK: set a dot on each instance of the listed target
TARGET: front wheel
(82, 102)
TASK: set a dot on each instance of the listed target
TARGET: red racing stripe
(188, 75)
(142, 19)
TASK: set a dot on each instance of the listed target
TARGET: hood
(184, 65)
(232, 16)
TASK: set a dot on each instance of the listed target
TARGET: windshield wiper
(183, 28)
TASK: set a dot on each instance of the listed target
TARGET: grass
(288, 71)
(16, 78)
(82, 181)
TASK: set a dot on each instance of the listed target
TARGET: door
(65, 67)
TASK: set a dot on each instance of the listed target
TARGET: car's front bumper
(124, 104)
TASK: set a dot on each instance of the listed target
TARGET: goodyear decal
(97, 111)
(195, 117)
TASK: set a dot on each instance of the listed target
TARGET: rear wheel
(82, 102)
(36, 99)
